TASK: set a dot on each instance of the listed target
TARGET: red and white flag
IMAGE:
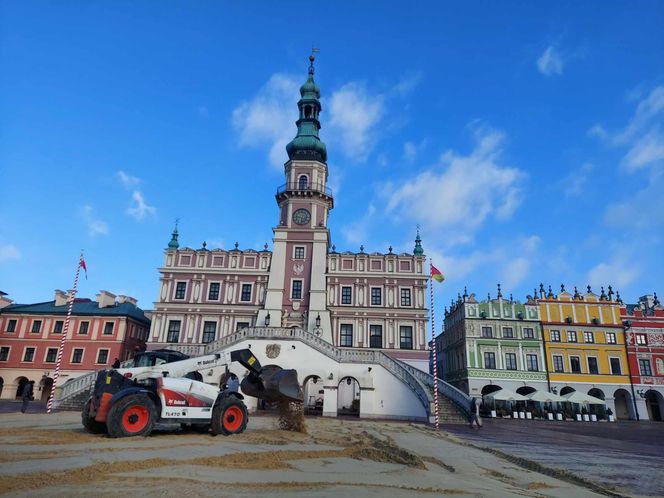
(85, 268)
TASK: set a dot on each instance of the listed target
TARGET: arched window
(303, 182)
(307, 111)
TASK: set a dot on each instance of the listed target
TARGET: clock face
(301, 216)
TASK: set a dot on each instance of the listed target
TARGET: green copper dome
(173, 245)
(418, 251)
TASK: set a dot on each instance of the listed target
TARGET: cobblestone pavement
(626, 456)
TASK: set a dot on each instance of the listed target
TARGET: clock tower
(296, 292)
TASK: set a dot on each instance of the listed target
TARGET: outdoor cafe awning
(545, 397)
(505, 395)
(582, 399)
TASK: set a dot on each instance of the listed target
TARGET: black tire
(133, 415)
(89, 423)
(229, 416)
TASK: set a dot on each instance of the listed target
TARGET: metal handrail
(309, 187)
(73, 387)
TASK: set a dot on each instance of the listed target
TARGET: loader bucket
(273, 384)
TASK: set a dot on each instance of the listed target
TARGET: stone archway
(598, 410)
(566, 390)
(314, 395)
(655, 405)
(348, 397)
(46, 384)
(20, 382)
(490, 388)
(525, 390)
(624, 405)
(2, 385)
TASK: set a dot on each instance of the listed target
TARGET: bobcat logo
(272, 350)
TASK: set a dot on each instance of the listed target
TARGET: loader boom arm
(182, 367)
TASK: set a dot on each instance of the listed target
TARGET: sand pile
(291, 417)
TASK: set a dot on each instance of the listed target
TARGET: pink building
(99, 331)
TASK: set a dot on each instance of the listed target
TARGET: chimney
(127, 299)
(60, 297)
(105, 299)
(4, 301)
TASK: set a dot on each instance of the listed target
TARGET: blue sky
(526, 139)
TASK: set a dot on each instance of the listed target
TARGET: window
(303, 182)
(376, 297)
(51, 355)
(209, 331)
(77, 357)
(615, 366)
(296, 291)
(588, 337)
(4, 353)
(346, 335)
(406, 337)
(531, 361)
(555, 336)
(558, 363)
(11, 326)
(29, 354)
(405, 297)
(241, 325)
(298, 253)
(487, 332)
(528, 333)
(571, 336)
(644, 367)
(346, 295)
(36, 327)
(510, 361)
(376, 336)
(508, 332)
(592, 365)
(173, 331)
(213, 295)
(83, 328)
(610, 338)
(108, 328)
(180, 289)
(102, 356)
(641, 340)
(575, 364)
(490, 360)
(246, 293)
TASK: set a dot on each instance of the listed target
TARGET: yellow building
(584, 344)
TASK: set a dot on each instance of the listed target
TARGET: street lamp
(267, 320)
(317, 330)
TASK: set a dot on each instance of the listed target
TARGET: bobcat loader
(130, 401)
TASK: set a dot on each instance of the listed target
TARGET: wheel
(90, 424)
(229, 416)
(133, 415)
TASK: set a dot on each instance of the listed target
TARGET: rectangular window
(36, 327)
(376, 336)
(510, 361)
(346, 295)
(645, 368)
(592, 365)
(102, 356)
(508, 332)
(241, 325)
(571, 336)
(213, 295)
(173, 331)
(575, 364)
(555, 336)
(376, 298)
(641, 340)
(246, 293)
(610, 338)
(57, 327)
(406, 337)
(528, 333)
(487, 332)
(531, 361)
(346, 338)
(209, 331)
(83, 328)
(490, 360)
(296, 291)
(77, 357)
(51, 355)
(29, 355)
(558, 363)
(588, 337)
(180, 289)
(298, 253)
(11, 326)
(615, 366)
(405, 297)
(108, 328)
(4, 353)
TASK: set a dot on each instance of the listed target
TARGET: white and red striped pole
(63, 339)
(435, 356)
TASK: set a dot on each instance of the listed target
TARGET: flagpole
(435, 357)
(63, 339)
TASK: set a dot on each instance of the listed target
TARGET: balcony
(300, 188)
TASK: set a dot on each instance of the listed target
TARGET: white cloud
(641, 210)
(460, 192)
(575, 183)
(95, 225)
(598, 131)
(550, 62)
(9, 252)
(141, 208)
(406, 84)
(617, 271)
(646, 150)
(128, 181)
(357, 233)
(411, 150)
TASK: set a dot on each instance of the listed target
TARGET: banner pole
(433, 346)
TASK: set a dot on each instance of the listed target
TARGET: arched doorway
(314, 395)
(489, 404)
(525, 390)
(20, 382)
(348, 397)
(624, 405)
(655, 405)
(2, 384)
(46, 384)
(598, 410)
(490, 388)
(566, 390)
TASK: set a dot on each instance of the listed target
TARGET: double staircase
(453, 405)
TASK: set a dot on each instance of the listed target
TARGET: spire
(307, 144)
(174, 244)
(418, 251)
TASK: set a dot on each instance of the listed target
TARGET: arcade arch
(348, 397)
